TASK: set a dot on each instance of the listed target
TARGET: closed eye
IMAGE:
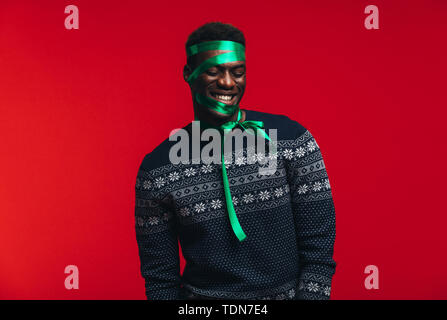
(212, 72)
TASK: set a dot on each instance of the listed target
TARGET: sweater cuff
(312, 286)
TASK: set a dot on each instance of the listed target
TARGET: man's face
(224, 82)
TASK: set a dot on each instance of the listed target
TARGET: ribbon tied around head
(236, 53)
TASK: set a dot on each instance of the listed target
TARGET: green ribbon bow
(237, 53)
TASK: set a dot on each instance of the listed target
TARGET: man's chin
(219, 115)
(213, 114)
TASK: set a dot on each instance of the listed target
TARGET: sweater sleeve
(156, 238)
(314, 216)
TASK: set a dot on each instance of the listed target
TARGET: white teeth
(224, 97)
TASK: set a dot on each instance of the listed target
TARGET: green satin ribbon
(237, 53)
(214, 61)
(223, 45)
(257, 126)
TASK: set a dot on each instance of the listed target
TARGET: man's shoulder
(159, 156)
(286, 127)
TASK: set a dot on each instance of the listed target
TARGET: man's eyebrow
(241, 65)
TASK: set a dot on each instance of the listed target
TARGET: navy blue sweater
(288, 217)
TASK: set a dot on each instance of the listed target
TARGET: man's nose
(226, 81)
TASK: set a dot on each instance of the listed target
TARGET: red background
(81, 108)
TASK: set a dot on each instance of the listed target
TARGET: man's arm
(157, 240)
(314, 215)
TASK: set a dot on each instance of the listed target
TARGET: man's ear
(186, 72)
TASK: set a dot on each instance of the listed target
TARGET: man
(244, 235)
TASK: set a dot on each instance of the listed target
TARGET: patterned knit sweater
(288, 217)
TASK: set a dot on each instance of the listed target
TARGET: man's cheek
(197, 87)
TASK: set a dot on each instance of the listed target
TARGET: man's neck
(218, 121)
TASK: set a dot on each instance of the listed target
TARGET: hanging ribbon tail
(237, 229)
(257, 126)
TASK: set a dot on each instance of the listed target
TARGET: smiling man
(223, 82)
(244, 235)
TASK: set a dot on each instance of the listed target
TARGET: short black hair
(215, 31)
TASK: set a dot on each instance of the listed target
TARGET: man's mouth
(224, 98)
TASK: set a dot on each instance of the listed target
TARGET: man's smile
(224, 98)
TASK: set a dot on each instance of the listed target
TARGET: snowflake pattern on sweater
(288, 216)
